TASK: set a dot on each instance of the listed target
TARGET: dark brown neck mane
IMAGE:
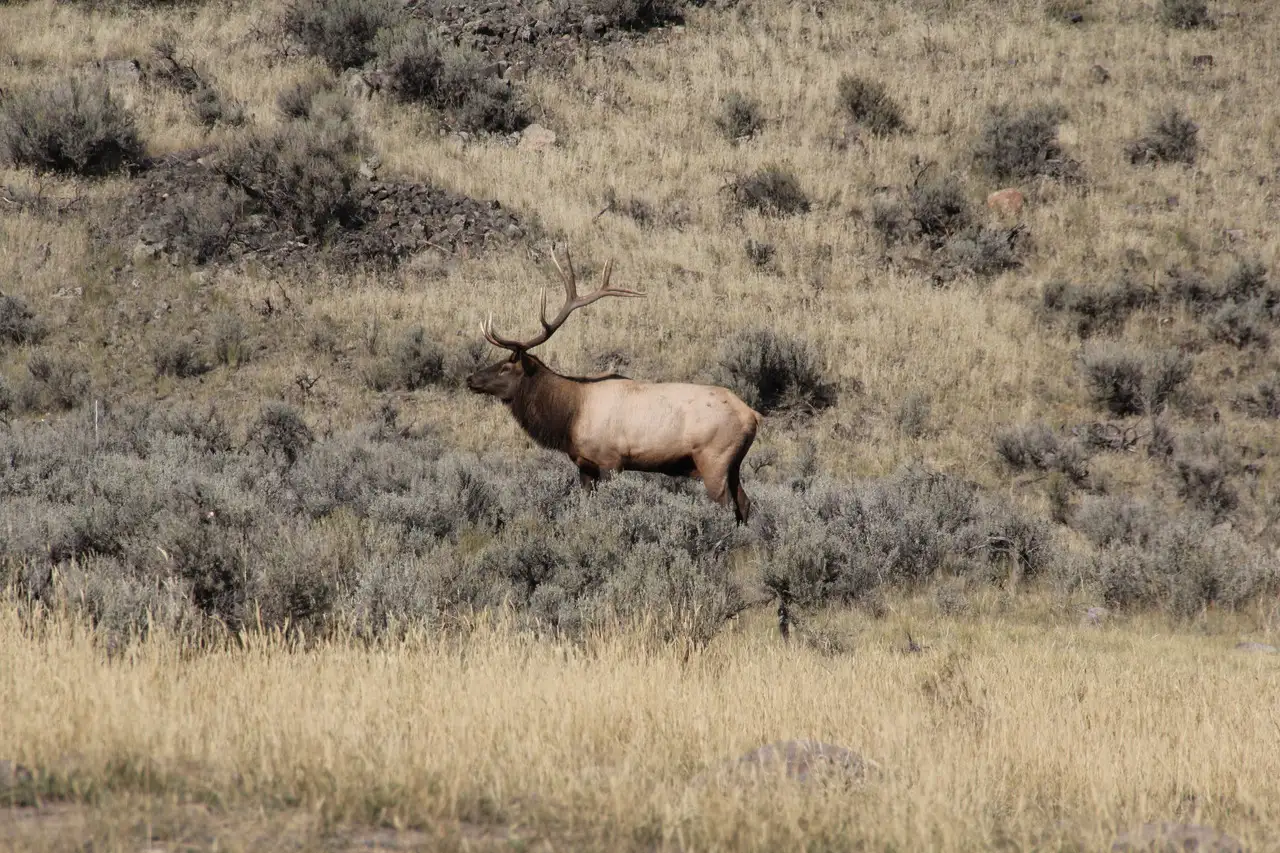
(547, 405)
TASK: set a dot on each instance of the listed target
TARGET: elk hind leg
(715, 478)
(741, 503)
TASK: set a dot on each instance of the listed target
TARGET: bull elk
(612, 423)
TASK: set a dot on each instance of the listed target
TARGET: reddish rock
(1006, 202)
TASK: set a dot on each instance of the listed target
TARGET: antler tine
(570, 278)
(572, 284)
(572, 303)
(497, 340)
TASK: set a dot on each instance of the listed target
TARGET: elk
(611, 423)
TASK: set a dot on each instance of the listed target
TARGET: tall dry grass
(1016, 730)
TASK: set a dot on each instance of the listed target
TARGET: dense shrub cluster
(868, 103)
(1183, 567)
(414, 362)
(422, 68)
(1022, 145)
(739, 117)
(775, 373)
(637, 15)
(1172, 138)
(772, 191)
(161, 515)
(843, 542)
(339, 32)
(939, 215)
(209, 106)
(1096, 308)
(1240, 310)
(1263, 401)
(71, 126)
(304, 173)
(1128, 381)
(1184, 14)
(54, 382)
(18, 323)
(934, 211)
(1039, 447)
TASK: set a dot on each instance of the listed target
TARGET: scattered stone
(1235, 235)
(1100, 75)
(538, 34)
(801, 761)
(1202, 61)
(1096, 616)
(1006, 202)
(1175, 838)
(1259, 648)
(397, 219)
(535, 137)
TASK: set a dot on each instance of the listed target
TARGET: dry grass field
(1014, 729)
(274, 580)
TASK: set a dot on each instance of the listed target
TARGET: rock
(1095, 616)
(357, 86)
(800, 761)
(1258, 648)
(1202, 61)
(1175, 838)
(145, 250)
(535, 137)
(1006, 202)
(1235, 235)
(1099, 74)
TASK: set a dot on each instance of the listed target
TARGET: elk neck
(547, 405)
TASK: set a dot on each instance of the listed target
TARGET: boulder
(1007, 202)
(535, 137)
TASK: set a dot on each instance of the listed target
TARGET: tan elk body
(613, 423)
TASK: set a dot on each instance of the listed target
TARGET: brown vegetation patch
(185, 209)
(515, 33)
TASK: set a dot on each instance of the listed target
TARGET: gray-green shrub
(72, 126)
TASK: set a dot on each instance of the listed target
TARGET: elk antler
(572, 303)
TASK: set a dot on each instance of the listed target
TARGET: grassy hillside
(244, 253)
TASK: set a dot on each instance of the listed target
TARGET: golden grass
(1018, 729)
